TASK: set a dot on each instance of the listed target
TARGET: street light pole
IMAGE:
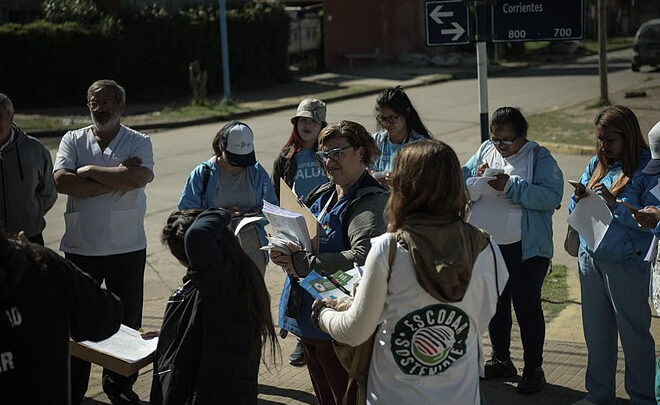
(602, 52)
(224, 48)
(482, 69)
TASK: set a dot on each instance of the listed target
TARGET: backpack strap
(205, 182)
(391, 256)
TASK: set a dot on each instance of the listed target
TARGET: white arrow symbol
(436, 14)
(457, 30)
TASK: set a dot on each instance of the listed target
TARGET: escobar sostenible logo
(430, 340)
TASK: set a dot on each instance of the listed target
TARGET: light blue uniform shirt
(308, 174)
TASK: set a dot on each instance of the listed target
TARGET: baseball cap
(653, 166)
(237, 142)
(310, 108)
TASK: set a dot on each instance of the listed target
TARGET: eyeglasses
(498, 142)
(94, 105)
(333, 154)
(391, 119)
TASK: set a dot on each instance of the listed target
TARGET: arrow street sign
(436, 14)
(447, 22)
(537, 20)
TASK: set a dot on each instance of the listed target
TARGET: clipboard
(289, 201)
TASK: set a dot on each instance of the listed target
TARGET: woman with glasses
(515, 207)
(614, 277)
(350, 210)
(298, 166)
(398, 123)
(433, 303)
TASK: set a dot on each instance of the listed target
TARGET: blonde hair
(620, 120)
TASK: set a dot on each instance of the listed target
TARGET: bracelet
(317, 307)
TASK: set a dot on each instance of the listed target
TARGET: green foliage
(147, 52)
(84, 12)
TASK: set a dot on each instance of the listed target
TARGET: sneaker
(495, 368)
(584, 401)
(297, 356)
(533, 379)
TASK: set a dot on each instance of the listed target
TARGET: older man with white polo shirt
(103, 169)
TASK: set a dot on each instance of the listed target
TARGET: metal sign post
(482, 70)
(224, 48)
(447, 23)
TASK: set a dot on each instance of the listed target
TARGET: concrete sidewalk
(564, 364)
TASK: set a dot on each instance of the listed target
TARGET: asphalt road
(450, 110)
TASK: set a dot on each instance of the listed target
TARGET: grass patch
(574, 125)
(613, 44)
(562, 126)
(589, 46)
(49, 123)
(536, 46)
(220, 110)
(555, 292)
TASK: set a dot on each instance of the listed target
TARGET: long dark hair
(426, 179)
(255, 296)
(396, 99)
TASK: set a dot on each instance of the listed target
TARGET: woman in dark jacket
(216, 324)
(296, 163)
(350, 210)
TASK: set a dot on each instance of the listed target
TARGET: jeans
(615, 303)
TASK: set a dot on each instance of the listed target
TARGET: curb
(250, 113)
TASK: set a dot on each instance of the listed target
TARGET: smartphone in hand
(580, 189)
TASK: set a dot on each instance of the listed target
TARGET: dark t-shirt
(42, 311)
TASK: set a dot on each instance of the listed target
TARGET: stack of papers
(591, 218)
(478, 186)
(127, 345)
(288, 227)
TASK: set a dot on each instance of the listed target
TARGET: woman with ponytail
(614, 278)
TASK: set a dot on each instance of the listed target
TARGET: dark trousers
(328, 376)
(524, 289)
(123, 275)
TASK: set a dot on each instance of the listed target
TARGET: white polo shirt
(110, 223)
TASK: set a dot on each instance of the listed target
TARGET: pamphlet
(320, 287)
